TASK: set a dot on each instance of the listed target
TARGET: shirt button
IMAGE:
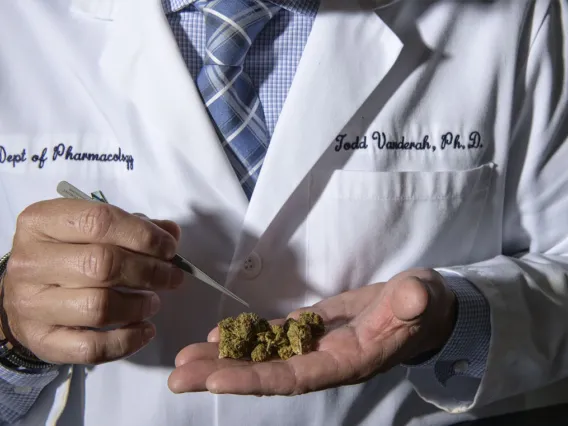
(22, 390)
(460, 367)
(252, 266)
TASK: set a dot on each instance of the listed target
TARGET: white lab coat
(460, 106)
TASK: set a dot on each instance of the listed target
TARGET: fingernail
(180, 361)
(155, 304)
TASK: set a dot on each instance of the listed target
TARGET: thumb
(409, 299)
(421, 298)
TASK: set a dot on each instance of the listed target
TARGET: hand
(370, 330)
(79, 268)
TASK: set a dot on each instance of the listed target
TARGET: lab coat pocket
(364, 227)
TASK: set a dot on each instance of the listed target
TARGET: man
(397, 166)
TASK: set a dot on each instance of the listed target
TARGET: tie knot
(232, 26)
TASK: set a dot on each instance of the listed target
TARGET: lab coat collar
(330, 85)
(142, 61)
(304, 7)
(349, 52)
(107, 9)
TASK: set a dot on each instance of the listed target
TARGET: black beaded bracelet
(4, 263)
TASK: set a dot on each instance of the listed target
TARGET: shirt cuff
(19, 392)
(466, 351)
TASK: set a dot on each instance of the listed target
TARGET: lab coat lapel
(142, 59)
(348, 53)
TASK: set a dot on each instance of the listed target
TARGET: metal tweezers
(66, 190)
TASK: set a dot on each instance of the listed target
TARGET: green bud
(285, 352)
(233, 347)
(252, 337)
(314, 321)
(260, 353)
(300, 337)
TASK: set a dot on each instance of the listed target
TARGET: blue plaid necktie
(228, 92)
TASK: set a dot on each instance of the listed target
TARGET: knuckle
(36, 343)
(95, 307)
(150, 239)
(16, 306)
(101, 263)
(29, 335)
(91, 352)
(122, 346)
(154, 274)
(95, 221)
(17, 303)
(17, 264)
(15, 321)
(28, 216)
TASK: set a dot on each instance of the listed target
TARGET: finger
(269, 379)
(90, 347)
(213, 336)
(94, 308)
(93, 265)
(197, 351)
(302, 374)
(193, 377)
(342, 307)
(79, 221)
(298, 375)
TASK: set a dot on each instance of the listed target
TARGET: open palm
(369, 330)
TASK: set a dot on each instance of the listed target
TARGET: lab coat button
(252, 266)
(460, 367)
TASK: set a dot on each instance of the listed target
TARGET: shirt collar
(303, 7)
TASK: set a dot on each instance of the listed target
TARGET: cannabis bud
(249, 336)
